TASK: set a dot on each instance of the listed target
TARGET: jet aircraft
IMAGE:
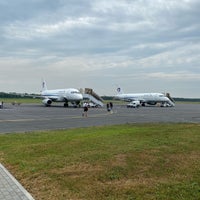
(145, 98)
(60, 95)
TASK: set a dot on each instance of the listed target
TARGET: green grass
(154, 161)
(20, 100)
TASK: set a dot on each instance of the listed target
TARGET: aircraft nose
(79, 96)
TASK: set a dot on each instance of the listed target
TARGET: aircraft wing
(53, 98)
(37, 97)
(136, 99)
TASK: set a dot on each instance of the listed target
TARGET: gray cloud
(141, 44)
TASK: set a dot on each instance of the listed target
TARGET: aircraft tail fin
(44, 85)
(119, 90)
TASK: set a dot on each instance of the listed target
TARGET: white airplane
(60, 95)
(145, 98)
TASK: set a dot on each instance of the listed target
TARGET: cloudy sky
(141, 45)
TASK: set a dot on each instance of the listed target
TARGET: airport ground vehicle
(133, 104)
(92, 105)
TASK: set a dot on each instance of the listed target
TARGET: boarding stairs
(90, 95)
(171, 100)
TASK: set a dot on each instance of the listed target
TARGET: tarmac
(36, 117)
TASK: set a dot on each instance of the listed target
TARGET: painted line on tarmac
(49, 119)
(16, 120)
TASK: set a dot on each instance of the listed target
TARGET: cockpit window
(75, 92)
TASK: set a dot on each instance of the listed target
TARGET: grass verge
(154, 161)
(20, 100)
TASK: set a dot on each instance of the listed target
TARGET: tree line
(27, 96)
(14, 95)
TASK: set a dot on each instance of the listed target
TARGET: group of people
(86, 105)
(109, 107)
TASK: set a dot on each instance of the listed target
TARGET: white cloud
(28, 30)
(175, 76)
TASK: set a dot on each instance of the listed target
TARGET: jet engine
(47, 102)
(152, 103)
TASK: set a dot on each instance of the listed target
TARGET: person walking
(85, 109)
(111, 107)
(108, 107)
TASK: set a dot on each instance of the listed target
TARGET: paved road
(30, 117)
